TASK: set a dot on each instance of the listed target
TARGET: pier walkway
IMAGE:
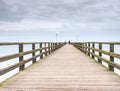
(66, 69)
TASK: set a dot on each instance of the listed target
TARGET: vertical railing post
(33, 54)
(49, 48)
(88, 49)
(41, 54)
(45, 49)
(100, 54)
(85, 48)
(53, 46)
(22, 67)
(59, 44)
(93, 46)
(56, 46)
(82, 47)
(111, 68)
(78, 45)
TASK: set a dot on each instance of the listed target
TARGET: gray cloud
(4, 11)
(72, 10)
(11, 12)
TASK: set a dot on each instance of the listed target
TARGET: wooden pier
(66, 69)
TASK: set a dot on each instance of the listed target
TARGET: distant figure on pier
(69, 42)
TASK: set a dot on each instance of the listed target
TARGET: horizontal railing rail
(44, 49)
(90, 49)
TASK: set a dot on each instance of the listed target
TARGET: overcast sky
(40, 20)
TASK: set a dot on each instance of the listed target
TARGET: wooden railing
(90, 49)
(44, 49)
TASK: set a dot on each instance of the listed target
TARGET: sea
(12, 49)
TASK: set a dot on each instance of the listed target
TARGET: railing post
(59, 45)
(82, 47)
(77, 45)
(100, 54)
(33, 54)
(93, 46)
(88, 49)
(49, 48)
(85, 48)
(41, 54)
(22, 67)
(53, 46)
(45, 49)
(56, 46)
(111, 68)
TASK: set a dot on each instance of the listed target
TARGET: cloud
(54, 10)
(57, 26)
(8, 13)
(30, 25)
(62, 15)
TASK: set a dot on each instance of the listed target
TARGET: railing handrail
(17, 43)
(100, 42)
(90, 50)
(48, 48)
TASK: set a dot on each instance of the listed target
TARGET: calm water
(5, 50)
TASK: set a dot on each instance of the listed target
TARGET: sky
(75, 20)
